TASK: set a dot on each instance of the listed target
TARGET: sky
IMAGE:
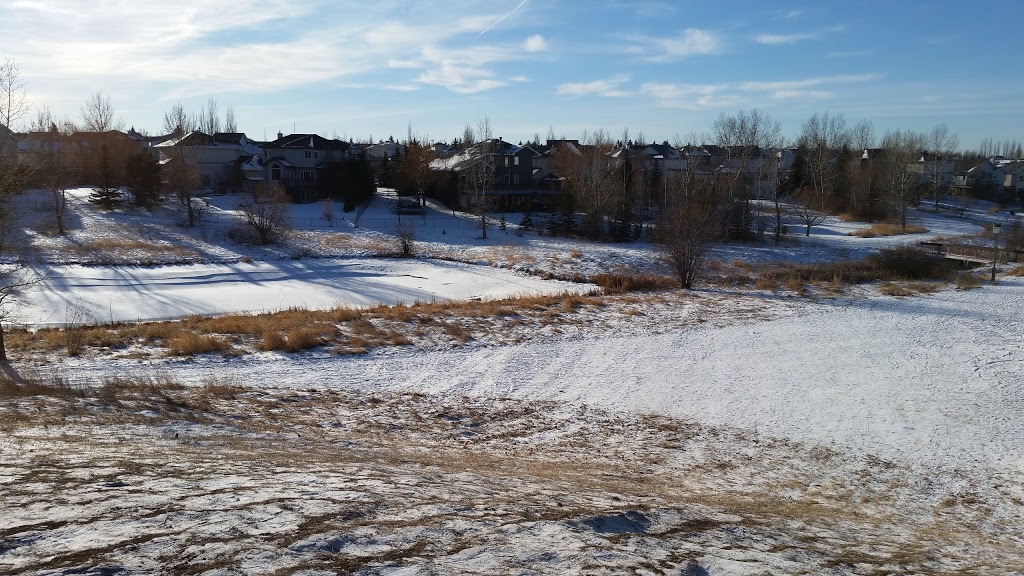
(661, 70)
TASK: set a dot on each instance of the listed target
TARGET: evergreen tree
(107, 196)
(142, 178)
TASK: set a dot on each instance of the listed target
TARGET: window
(309, 153)
(307, 177)
(275, 173)
(506, 161)
(516, 161)
(515, 178)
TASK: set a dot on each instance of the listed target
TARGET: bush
(967, 281)
(190, 344)
(909, 264)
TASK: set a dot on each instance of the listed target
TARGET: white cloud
(609, 88)
(784, 38)
(793, 14)
(689, 42)
(535, 43)
(792, 85)
(704, 96)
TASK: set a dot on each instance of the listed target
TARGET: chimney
(279, 135)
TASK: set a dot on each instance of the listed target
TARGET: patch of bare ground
(148, 476)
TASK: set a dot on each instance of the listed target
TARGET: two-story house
(215, 157)
(301, 163)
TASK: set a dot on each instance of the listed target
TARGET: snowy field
(96, 294)
(857, 435)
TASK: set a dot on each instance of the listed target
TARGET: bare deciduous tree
(15, 274)
(178, 122)
(266, 212)
(406, 235)
(807, 206)
(230, 124)
(941, 145)
(53, 161)
(687, 227)
(901, 150)
(13, 100)
(209, 118)
(98, 114)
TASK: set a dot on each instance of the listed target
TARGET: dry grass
(190, 344)
(885, 229)
(148, 250)
(902, 289)
(1016, 271)
(620, 283)
(967, 281)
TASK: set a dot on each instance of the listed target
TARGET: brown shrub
(273, 341)
(620, 283)
(883, 229)
(967, 281)
(190, 344)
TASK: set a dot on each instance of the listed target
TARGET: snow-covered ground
(863, 435)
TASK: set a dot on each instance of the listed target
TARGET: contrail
(498, 21)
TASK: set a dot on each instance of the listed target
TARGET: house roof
(307, 141)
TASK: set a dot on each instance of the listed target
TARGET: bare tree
(468, 136)
(16, 275)
(209, 118)
(13, 100)
(901, 150)
(590, 179)
(406, 235)
(807, 206)
(183, 179)
(53, 160)
(178, 122)
(823, 136)
(98, 114)
(266, 212)
(230, 125)
(940, 147)
(750, 170)
(688, 226)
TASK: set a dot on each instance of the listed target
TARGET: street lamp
(995, 249)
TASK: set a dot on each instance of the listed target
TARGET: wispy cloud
(689, 42)
(690, 96)
(793, 14)
(795, 37)
(609, 88)
(785, 38)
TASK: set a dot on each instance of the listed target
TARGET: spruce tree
(107, 196)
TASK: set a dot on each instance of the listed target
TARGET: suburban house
(498, 170)
(935, 170)
(301, 162)
(995, 176)
(657, 160)
(216, 157)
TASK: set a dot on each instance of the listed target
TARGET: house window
(266, 153)
(275, 173)
(515, 178)
(516, 161)
(307, 177)
(506, 161)
(309, 153)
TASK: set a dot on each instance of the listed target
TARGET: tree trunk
(483, 225)
(3, 346)
(778, 222)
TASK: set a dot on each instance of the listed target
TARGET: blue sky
(663, 69)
